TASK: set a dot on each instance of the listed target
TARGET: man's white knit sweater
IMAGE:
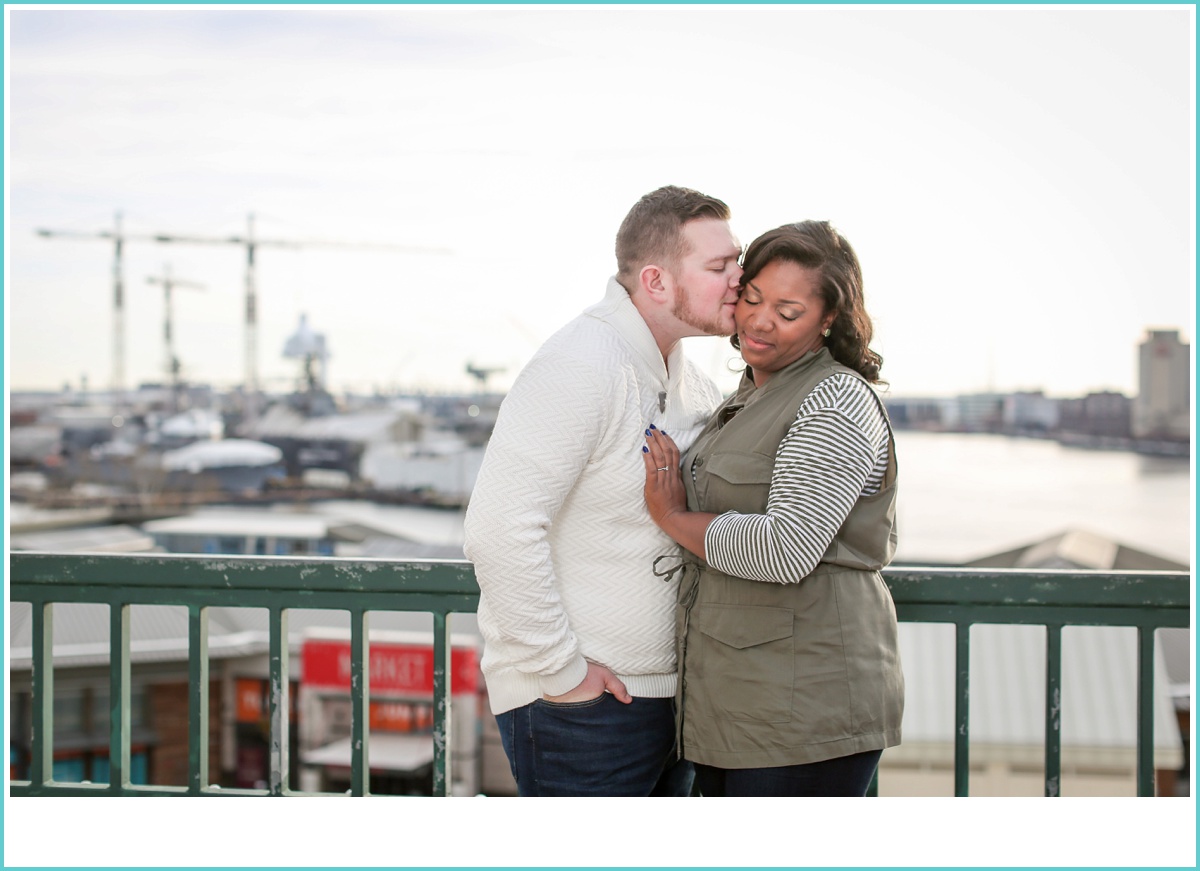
(557, 527)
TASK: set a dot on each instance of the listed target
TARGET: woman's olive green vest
(783, 674)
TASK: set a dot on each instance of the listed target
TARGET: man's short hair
(652, 232)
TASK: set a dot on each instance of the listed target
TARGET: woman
(790, 680)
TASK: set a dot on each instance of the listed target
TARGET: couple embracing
(680, 594)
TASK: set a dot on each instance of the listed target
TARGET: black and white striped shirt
(834, 452)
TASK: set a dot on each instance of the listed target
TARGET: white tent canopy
(385, 752)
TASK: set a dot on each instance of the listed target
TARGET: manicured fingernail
(647, 432)
(645, 450)
(651, 426)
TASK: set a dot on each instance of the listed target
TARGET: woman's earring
(827, 332)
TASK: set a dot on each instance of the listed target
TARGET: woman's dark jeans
(846, 775)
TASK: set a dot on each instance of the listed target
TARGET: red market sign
(398, 669)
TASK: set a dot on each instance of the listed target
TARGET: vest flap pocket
(743, 626)
(741, 467)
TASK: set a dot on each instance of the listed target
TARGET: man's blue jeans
(598, 747)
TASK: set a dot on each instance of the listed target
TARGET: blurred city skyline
(1021, 223)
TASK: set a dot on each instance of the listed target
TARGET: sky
(1018, 182)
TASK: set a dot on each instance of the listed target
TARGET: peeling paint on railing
(278, 708)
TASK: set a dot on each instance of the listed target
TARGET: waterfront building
(336, 442)
(1162, 410)
(978, 412)
(106, 538)
(240, 531)
(915, 413)
(1099, 419)
(1030, 413)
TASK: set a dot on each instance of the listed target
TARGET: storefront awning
(385, 752)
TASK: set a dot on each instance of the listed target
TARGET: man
(579, 653)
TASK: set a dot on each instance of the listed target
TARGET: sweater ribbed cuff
(565, 680)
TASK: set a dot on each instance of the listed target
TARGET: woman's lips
(750, 341)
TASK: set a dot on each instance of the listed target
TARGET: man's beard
(710, 325)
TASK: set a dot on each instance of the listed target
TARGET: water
(967, 496)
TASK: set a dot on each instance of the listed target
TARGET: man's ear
(654, 282)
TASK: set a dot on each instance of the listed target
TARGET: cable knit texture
(557, 525)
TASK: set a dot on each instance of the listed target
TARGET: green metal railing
(276, 584)
(1054, 599)
(962, 597)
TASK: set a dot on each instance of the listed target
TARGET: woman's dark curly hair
(816, 244)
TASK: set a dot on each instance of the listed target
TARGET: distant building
(1096, 417)
(114, 538)
(252, 532)
(34, 445)
(1163, 406)
(914, 413)
(978, 412)
(1030, 413)
(337, 441)
(82, 428)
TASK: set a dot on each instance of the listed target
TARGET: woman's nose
(758, 320)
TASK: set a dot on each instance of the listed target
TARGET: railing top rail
(1064, 587)
(31, 570)
(38, 572)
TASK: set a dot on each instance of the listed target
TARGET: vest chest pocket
(742, 662)
(737, 481)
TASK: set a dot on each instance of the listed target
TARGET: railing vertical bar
(962, 697)
(198, 696)
(1145, 715)
(41, 745)
(1053, 739)
(278, 703)
(360, 703)
(442, 720)
(120, 714)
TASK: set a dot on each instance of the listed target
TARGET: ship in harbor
(150, 452)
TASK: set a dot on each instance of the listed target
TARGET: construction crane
(119, 238)
(482, 374)
(251, 243)
(171, 362)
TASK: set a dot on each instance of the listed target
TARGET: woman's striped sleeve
(834, 452)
